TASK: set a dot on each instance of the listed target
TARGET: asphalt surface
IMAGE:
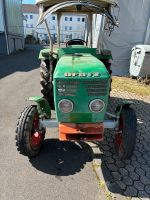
(62, 171)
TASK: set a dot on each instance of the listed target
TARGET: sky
(28, 1)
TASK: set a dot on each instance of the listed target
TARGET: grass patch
(130, 85)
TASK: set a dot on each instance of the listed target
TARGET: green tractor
(76, 83)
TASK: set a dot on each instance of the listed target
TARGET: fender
(119, 108)
(123, 104)
(43, 107)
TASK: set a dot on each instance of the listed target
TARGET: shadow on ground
(24, 60)
(131, 177)
(62, 158)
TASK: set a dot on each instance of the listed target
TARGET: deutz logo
(94, 74)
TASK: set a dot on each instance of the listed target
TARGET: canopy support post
(49, 35)
(90, 30)
(147, 33)
(86, 32)
(100, 36)
(58, 28)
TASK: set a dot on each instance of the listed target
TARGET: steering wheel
(76, 42)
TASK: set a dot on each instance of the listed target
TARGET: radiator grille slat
(72, 87)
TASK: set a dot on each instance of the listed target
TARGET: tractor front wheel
(29, 137)
(125, 137)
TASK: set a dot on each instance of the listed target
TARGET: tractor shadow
(62, 158)
(130, 178)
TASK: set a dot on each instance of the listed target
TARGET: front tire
(125, 137)
(28, 136)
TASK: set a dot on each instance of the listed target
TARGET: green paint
(42, 106)
(44, 53)
(76, 49)
(80, 59)
(83, 63)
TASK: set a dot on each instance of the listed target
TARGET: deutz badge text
(94, 74)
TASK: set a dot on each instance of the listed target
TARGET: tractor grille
(72, 87)
(67, 88)
(96, 88)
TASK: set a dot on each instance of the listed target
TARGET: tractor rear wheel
(28, 136)
(125, 137)
(46, 82)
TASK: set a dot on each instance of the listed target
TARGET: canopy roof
(76, 6)
(101, 3)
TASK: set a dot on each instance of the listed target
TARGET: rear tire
(46, 82)
(125, 137)
(27, 127)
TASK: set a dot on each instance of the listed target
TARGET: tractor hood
(80, 66)
(81, 78)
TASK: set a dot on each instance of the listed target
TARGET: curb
(107, 185)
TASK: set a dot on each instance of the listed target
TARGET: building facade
(72, 26)
(11, 26)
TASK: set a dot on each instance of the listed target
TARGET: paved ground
(131, 178)
(64, 170)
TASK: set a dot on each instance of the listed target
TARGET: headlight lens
(97, 105)
(65, 106)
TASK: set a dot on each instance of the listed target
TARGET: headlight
(65, 106)
(96, 105)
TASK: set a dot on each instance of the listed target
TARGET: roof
(76, 6)
(53, 2)
(30, 8)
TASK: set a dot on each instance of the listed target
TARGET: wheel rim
(36, 136)
(119, 137)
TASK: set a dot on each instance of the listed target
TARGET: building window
(78, 19)
(31, 16)
(53, 17)
(70, 28)
(26, 17)
(78, 37)
(66, 18)
(66, 28)
(31, 25)
(70, 18)
(27, 25)
(83, 19)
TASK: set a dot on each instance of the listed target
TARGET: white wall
(1, 17)
(14, 16)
